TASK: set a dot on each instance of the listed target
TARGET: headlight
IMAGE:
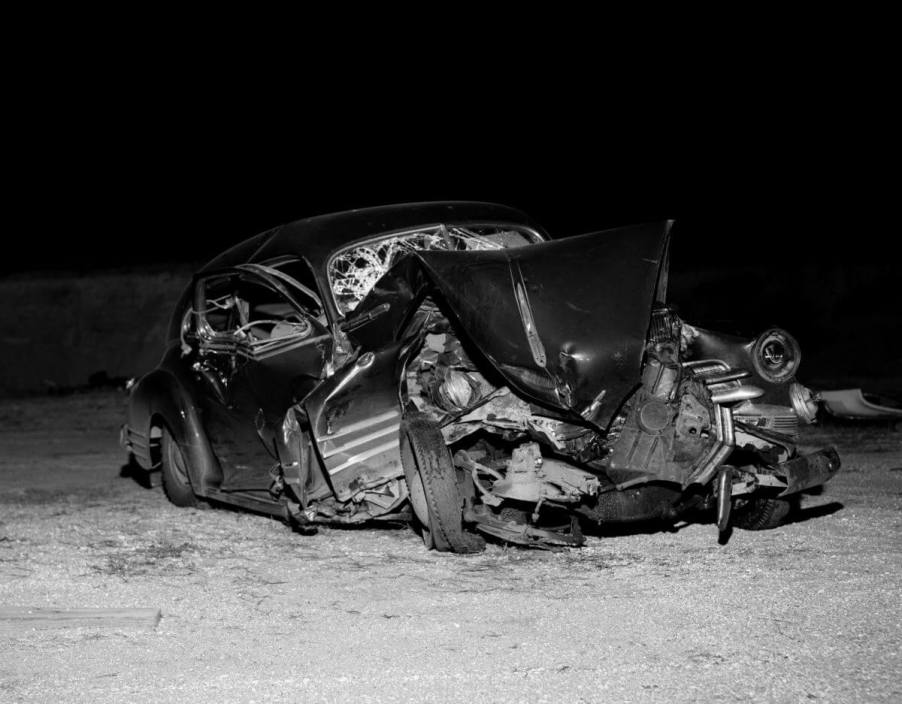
(776, 355)
(803, 402)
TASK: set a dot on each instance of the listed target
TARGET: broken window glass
(354, 271)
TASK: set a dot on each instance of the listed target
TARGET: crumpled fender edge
(161, 396)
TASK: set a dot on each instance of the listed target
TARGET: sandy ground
(252, 612)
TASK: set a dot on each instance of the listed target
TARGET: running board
(270, 507)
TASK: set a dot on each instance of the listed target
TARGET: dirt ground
(252, 612)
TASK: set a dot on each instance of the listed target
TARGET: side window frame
(273, 269)
(199, 308)
(212, 339)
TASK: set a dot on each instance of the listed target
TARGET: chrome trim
(363, 456)
(527, 319)
(726, 440)
(741, 393)
(362, 440)
(361, 425)
(700, 362)
(733, 375)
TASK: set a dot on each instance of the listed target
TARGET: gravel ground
(255, 613)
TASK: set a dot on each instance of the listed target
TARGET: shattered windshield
(354, 271)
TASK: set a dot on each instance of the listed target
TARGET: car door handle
(355, 323)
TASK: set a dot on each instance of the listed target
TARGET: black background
(770, 193)
(96, 199)
(784, 187)
(165, 138)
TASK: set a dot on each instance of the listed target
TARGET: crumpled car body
(449, 365)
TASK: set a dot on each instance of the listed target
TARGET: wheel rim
(417, 493)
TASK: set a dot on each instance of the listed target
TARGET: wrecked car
(450, 365)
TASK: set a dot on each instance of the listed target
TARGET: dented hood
(565, 322)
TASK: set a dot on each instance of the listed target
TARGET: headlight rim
(791, 354)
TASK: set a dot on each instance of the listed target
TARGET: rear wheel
(176, 480)
(432, 483)
(762, 513)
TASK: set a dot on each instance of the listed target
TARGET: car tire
(176, 479)
(432, 484)
(762, 514)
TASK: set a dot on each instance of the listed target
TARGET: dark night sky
(771, 169)
(144, 163)
(139, 149)
(128, 197)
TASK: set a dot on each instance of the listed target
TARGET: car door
(262, 346)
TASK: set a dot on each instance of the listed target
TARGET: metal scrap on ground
(856, 405)
(18, 617)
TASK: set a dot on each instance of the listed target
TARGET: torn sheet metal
(856, 405)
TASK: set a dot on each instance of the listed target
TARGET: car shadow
(614, 530)
(796, 515)
(132, 470)
(810, 512)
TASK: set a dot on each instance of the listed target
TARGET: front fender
(355, 417)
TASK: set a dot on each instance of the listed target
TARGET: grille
(665, 326)
(787, 424)
(776, 418)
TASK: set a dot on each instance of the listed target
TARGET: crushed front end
(548, 435)
(716, 417)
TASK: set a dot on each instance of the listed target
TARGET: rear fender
(160, 397)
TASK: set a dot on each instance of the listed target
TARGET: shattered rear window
(354, 271)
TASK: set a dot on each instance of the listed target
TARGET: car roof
(316, 238)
